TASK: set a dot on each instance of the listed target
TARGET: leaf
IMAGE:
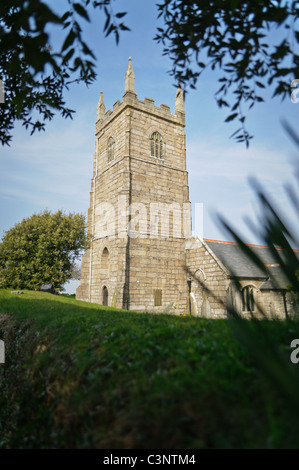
(235, 133)
(116, 36)
(66, 15)
(81, 11)
(107, 22)
(231, 117)
(120, 15)
(87, 51)
(69, 40)
(110, 29)
(68, 55)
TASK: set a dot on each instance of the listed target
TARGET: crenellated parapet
(130, 99)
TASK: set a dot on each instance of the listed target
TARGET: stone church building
(142, 255)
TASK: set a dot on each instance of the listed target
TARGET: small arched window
(110, 149)
(104, 296)
(156, 145)
(105, 261)
(248, 299)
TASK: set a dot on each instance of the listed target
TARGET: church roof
(276, 280)
(238, 264)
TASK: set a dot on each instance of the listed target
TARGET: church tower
(139, 214)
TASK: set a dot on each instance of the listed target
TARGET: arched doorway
(105, 295)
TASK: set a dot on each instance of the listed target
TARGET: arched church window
(110, 149)
(156, 145)
(248, 299)
(104, 296)
(105, 261)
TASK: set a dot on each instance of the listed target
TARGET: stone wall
(209, 281)
(267, 302)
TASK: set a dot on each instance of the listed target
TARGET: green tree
(42, 249)
(235, 37)
(34, 74)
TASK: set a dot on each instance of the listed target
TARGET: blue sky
(52, 170)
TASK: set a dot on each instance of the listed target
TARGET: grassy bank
(80, 375)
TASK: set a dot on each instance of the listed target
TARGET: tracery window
(156, 145)
(248, 299)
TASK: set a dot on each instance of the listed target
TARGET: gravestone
(205, 308)
(48, 288)
(193, 305)
(169, 307)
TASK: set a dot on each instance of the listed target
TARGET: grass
(81, 375)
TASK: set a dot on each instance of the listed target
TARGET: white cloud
(52, 168)
(218, 176)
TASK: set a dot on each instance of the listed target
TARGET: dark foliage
(235, 37)
(34, 74)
